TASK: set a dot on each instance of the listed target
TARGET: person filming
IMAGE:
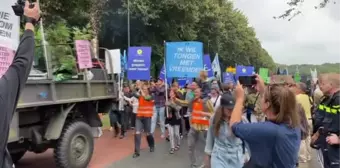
(13, 81)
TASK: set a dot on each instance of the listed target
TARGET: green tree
(222, 29)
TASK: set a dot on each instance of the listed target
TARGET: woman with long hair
(223, 149)
(215, 97)
(274, 143)
(174, 122)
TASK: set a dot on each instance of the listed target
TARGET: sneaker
(162, 136)
(121, 136)
(152, 149)
(135, 155)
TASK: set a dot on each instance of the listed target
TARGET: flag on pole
(297, 77)
(264, 73)
(215, 65)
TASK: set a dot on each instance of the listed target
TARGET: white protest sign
(9, 34)
(114, 61)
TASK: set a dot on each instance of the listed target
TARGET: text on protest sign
(139, 61)
(184, 59)
(9, 25)
(6, 58)
(84, 54)
(9, 35)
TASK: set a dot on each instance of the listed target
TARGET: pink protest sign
(6, 59)
(83, 54)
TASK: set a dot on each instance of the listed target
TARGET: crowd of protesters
(267, 125)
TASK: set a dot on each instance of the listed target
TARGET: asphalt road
(159, 159)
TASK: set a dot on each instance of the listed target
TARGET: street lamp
(128, 22)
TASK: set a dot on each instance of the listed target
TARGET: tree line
(222, 28)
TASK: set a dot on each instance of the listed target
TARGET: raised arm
(13, 81)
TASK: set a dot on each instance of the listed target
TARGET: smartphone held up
(247, 80)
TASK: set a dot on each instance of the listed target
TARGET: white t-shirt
(135, 103)
(217, 100)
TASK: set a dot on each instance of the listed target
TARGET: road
(115, 153)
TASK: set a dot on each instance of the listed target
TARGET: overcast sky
(312, 37)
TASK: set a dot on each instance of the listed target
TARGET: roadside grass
(106, 121)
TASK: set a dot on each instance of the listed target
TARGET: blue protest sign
(228, 77)
(184, 59)
(207, 65)
(244, 70)
(183, 81)
(139, 60)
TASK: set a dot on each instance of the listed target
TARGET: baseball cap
(227, 101)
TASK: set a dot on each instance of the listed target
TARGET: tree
(293, 10)
(222, 29)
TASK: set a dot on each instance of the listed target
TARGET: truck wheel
(75, 146)
(17, 156)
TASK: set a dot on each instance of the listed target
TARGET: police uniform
(327, 116)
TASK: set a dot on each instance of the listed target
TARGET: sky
(312, 37)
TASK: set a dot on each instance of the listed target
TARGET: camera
(19, 6)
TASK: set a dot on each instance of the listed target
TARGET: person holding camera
(13, 81)
(276, 142)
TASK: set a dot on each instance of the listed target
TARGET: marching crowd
(267, 125)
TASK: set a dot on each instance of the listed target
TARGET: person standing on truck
(13, 81)
(143, 119)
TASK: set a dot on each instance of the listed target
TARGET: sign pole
(166, 79)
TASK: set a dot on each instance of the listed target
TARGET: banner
(84, 54)
(9, 34)
(139, 60)
(184, 59)
(228, 77)
(244, 71)
(113, 58)
(207, 65)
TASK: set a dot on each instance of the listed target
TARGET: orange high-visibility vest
(145, 108)
(196, 117)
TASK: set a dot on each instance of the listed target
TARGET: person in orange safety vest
(143, 119)
(202, 110)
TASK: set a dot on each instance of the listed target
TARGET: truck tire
(17, 156)
(75, 146)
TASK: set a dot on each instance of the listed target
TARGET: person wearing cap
(202, 110)
(158, 90)
(222, 148)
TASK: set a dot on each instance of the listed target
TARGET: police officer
(327, 120)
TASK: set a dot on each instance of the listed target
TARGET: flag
(244, 71)
(278, 71)
(297, 77)
(215, 65)
(264, 73)
(314, 75)
(123, 62)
